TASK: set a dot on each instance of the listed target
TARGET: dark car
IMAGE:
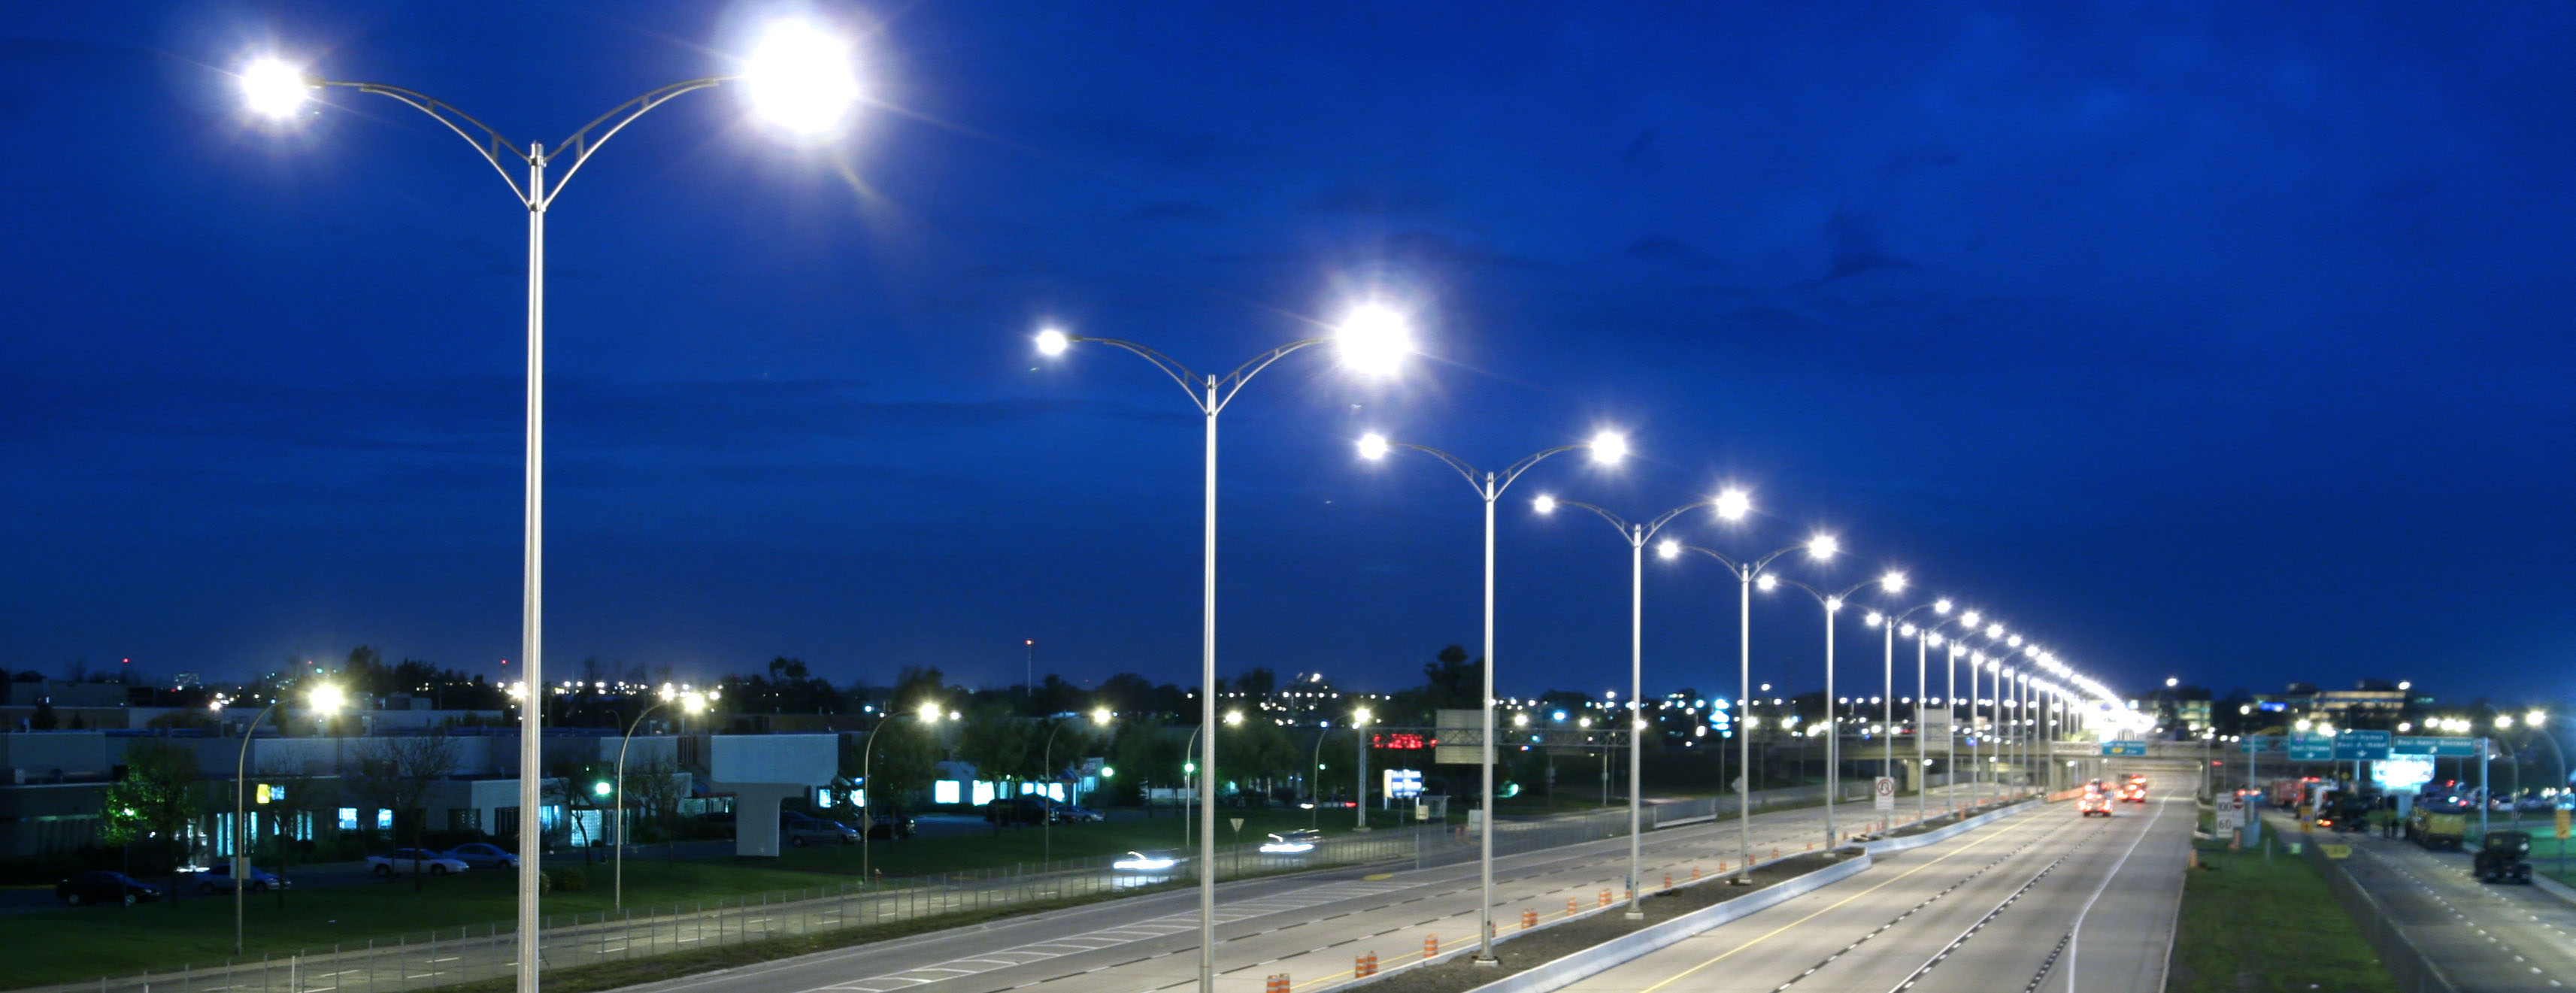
(1016, 810)
(105, 887)
(1069, 814)
(889, 825)
(218, 878)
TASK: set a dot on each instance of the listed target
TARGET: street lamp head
(1100, 716)
(1608, 447)
(1374, 339)
(2015, 641)
(1934, 639)
(693, 702)
(1994, 630)
(1373, 446)
(1823, 546)
(326, 699)
(801, 78)
(1767, 583)
(2171, 682)
(1893, 582)
(928, 712)
(273, 89)
(1906, 630)
(1234, 717)
(1941, 606)
(1733, 503)
(1873, 619)
(1833, 603)
(1545, 504)
(1053, 341)
(2534, 718)
(1668, 548)
(1360, 717)
(2503, 721)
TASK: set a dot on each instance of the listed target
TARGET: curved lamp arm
(1638, 534)
(494, 148)
(1477, 478)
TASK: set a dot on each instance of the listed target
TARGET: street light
(796, 79)
(1100, 717)
(1890, 582)
(1373, 339)
(323, 698)
(690, 702)
(1636, 535)
(1732, 506)
(926, 713)
(1608, 447)
(1891, 625)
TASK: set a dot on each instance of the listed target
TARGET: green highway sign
(2262, 743)
(2448, 748)
(2367, 746)
(2307, 747)
(2115, 749)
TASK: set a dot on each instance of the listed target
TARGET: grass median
(2252, 922)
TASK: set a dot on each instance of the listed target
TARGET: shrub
(569, 880)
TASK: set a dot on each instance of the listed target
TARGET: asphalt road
(2484, 937)
(2047, 900)
(1309, 926)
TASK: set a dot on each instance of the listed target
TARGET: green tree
(149, 808)
(398, 772)
(999, 744)
(653, 794)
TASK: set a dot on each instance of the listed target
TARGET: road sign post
(1883, 797)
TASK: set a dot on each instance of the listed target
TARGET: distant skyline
(2219, 342)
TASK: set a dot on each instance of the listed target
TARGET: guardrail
(1882, 846)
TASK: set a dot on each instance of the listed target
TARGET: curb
(1598, 958)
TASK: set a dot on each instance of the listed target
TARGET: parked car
(890, 825)
(1068, 814)
(411, 860)
(801, 830)
(484, 856)
(105, 887)
(1016, 810)
(218, 878)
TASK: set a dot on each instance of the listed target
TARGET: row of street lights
(1373, 339)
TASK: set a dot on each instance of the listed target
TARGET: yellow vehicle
(2433, 828)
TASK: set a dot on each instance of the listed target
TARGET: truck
(2437, 828)
(2503, 857)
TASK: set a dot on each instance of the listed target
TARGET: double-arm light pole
(799, 78)
(1889, 626)
(1732, 506)
(1637, 535)
(1373, 339)
(1890, 582)
(1607, 447)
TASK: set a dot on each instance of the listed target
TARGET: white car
(411, 860)
(1154, 861)
(1298, 842)
(484, 856)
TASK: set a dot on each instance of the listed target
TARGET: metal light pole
(1607, 447)
(1637, 535)
(1359, 731)
(1046, 761)
(689, 702)
(926, 713)
(801, 80)
(1891, 582)
(1889, 625)
(323, 699)
(1373, 338)
(1732, 505)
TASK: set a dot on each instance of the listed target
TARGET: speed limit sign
(1884, 797)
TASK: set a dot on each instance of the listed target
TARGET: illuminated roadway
(2483, 936)
(1997, 909)
(1309, 926)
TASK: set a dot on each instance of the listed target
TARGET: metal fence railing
(431, 959)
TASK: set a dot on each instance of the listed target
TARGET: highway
(1309, 926)
(2484, 937)
(2047, 900)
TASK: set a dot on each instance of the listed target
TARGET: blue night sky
(2214, 340)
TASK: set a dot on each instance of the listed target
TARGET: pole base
(1485, 960)
(1363, 827)
(1634, 915)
